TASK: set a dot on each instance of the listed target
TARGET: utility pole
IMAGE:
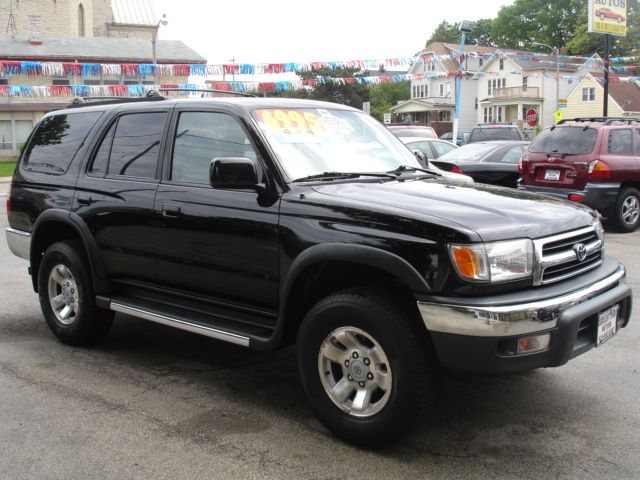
(465, 27)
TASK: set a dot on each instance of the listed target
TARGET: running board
(179, 323)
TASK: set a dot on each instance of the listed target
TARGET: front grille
(559, 261)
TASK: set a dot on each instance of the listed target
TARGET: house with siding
(55, 38)
(587, 98)
(510, 84)
(433, 87)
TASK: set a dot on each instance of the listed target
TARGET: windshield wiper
(407, 168)
(341, 175)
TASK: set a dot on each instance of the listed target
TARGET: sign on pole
(532, 117)
(559, 116)
(386, 117)
(608, 16)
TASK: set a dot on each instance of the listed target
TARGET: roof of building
(450, 49)
(625, 93)
(133, 12)
(96, 50)
(546, 61)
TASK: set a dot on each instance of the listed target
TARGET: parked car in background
(412, 130)
(431, 147)
(495, 131)
(461, 140)
(593, 161)
(495, 162)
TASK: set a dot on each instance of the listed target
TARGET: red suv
(594, 161)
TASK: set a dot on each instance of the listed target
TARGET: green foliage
(386, 95)
(446, 33)
(482, 33)
(7, 168)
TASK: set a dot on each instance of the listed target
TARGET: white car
(431, 148)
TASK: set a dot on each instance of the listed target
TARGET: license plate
(607, 324)
(552, 175)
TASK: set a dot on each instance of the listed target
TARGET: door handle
(170, 211)
(84, 200)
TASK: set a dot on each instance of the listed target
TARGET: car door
(115, 193)
(217, 243)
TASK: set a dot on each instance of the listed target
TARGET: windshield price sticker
(291, 121)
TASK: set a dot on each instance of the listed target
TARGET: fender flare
(358, 254)
(76, 223)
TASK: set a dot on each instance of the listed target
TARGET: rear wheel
(65, 289)
(366, 369)
(627, 212)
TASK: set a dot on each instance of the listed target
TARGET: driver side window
(202, 136)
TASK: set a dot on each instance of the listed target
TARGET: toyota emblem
(581, 251)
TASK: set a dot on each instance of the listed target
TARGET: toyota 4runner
(268, 222)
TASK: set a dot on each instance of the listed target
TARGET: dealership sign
(608, 16)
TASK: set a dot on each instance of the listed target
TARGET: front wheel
(627, 212)
(366, 368)
(65, 289)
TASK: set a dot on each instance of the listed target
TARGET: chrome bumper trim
(509, 320)
(19, 243)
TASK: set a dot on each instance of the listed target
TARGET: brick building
(79, 43)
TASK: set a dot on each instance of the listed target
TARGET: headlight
(493, 262)
(599, 230)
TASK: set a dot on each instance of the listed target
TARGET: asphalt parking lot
(153, 402)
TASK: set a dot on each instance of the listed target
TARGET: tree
(527, 21)
(446, 33)
(482, 33)
(386, 95)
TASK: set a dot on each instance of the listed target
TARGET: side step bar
(179, 323)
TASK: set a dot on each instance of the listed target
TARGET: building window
(502, 64)
(81, 32)
(499, 114)
(487, 115)
(481, 61)
(4, 81)
(60, 81)
(588, 94)
(525, 83)
(414, 90)
(35, 25)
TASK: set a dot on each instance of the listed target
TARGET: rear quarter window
(620, 142)
(56, 140)
(569, 140)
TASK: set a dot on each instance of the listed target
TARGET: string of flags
(62, 70)
(48, 91)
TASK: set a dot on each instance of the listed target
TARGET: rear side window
(136, 145)
(486, 134)
(513, 155)
(56, 141)
(569, 140)
(620, 141)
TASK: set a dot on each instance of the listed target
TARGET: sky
(283, 31)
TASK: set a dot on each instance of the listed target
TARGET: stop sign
(532, 117)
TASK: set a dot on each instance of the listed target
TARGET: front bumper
(599, 196)
(468, 337)
(19, 243)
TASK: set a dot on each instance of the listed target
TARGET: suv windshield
(310, 141)
(568, 140)
(494, 133)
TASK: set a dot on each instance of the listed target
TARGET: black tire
(86, 323)
(626, 217)
(414, 372)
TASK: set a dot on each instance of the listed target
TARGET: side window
(100, 162)
(513, 155)
(441, 148)
(638, 142)
(57, 140)
(201, 137)
(136, 145)
(620, 141)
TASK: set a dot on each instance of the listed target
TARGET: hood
(494, 213)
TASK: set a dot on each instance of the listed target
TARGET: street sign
(562, 103)
(532, 117)
(386, 117)
(608, 16)
(366, 107)
(559, 116)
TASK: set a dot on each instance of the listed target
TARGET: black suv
(268, 222)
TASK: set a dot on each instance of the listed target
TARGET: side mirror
(233, 173)
(422, 158)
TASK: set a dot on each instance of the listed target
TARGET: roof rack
(203, 90)
(151, 96)
(605, 120)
